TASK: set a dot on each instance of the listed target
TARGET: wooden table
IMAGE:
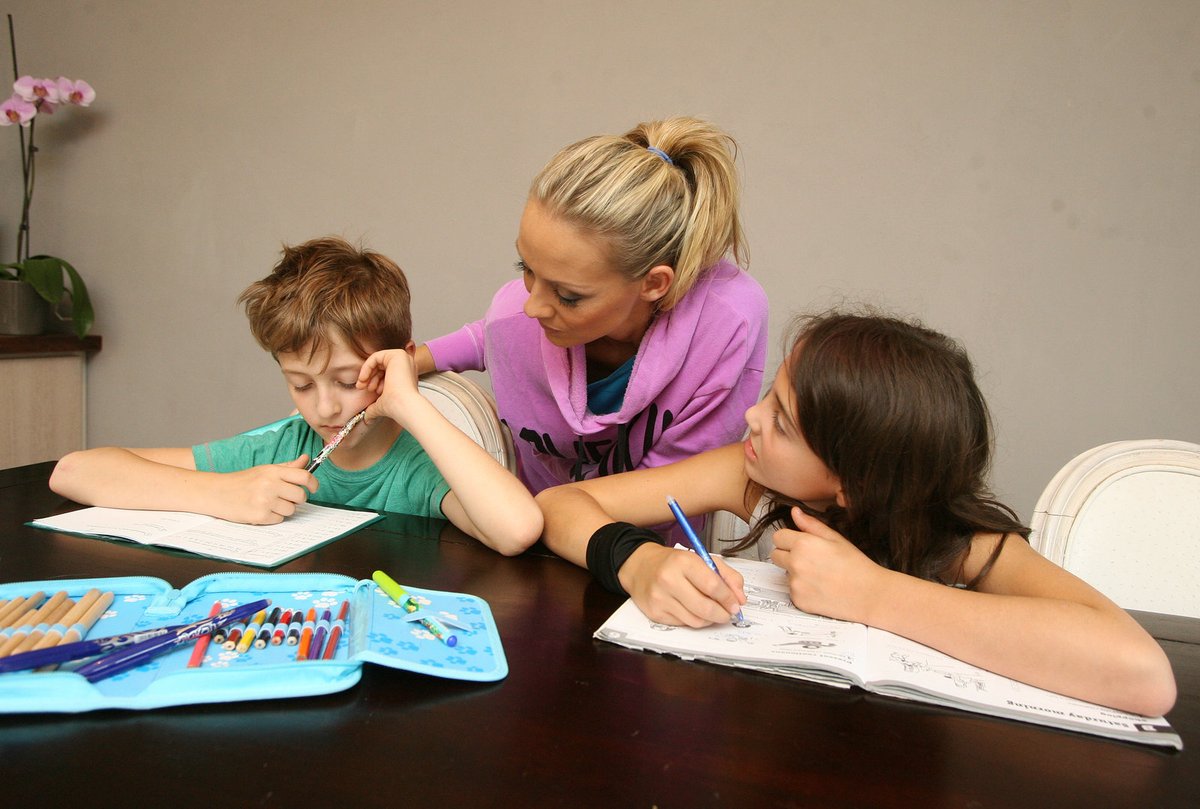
(576, 722)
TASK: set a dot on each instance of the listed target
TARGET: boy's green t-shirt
(404, 481)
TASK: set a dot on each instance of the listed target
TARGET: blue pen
(66, 652)
(139, 653)
(698, 547)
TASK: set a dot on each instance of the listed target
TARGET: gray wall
(1023, 176)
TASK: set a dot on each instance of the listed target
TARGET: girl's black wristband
(610, 547)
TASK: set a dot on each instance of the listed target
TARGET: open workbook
(783, 640)
(260, 545)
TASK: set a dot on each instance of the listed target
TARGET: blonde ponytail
(666, 192)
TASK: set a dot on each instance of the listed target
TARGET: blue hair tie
(666, 157)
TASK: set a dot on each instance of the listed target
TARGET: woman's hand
(827, 575)
(676, 587)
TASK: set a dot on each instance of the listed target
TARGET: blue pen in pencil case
(377, 631)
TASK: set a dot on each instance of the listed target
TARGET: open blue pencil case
(377, 631)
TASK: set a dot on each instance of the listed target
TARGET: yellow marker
(406, 602)
(248, 636)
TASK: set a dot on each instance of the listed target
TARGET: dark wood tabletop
(576, 723)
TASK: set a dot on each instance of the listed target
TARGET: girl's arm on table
(669, 586)
(1029, 619)
(166, 479)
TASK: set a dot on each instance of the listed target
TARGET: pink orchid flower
(17, 111)
(34, 90)
(77, 91)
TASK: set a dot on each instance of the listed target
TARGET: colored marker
(202, 645)
(293, 633)
(232, 637)
(318, 641)
(247, 639)
(264, 635)
(335, 634)
(281, 628)
(398, 594)
(700, 550)
(306, 634)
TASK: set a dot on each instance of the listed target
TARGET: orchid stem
(27, 153)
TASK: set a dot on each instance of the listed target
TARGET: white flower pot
(22, 310)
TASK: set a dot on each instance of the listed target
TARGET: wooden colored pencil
(80, 629)
(55, 636)
(201, 647)
(32, 620)
(89, 619)
(16, 608)
(36, 632)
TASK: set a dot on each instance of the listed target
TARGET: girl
(629, 339)
(871, 446)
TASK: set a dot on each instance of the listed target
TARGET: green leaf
(82, 315)
(45, 275)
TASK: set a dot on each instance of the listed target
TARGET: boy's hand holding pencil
(262, 495)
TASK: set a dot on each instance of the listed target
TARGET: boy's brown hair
(325, 286)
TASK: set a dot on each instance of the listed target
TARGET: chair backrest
(470, 408)
(465, 404)
(1125, 518)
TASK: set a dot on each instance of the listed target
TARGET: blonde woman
(632, 338)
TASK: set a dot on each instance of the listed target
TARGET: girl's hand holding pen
(827, 574)
(676, 587)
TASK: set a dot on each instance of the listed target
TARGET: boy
(324, 309)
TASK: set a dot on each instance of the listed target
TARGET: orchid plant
(32, 98)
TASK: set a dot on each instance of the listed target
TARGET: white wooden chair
(471, 408)
(1125, 517)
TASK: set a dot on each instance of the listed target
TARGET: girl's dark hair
(893, 410)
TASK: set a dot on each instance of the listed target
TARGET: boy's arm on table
(1029, 619)
(485, 499)
(166, 479)
(669, 586)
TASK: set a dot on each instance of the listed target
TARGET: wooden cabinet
(43, 396)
